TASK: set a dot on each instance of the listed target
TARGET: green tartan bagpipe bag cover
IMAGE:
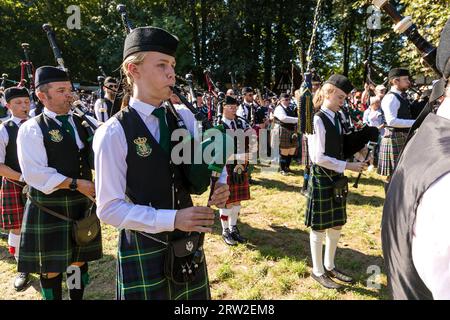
(180, 265)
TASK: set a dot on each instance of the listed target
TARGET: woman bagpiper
(327, 187)
(133, 157)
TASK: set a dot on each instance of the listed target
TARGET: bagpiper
(12, 204)
(54, 151)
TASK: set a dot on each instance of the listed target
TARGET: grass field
(276, 263)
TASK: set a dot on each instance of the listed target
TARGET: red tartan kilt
(11, 205)
(238, 192)
(256, 128)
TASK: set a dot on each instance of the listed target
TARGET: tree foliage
(255, 39)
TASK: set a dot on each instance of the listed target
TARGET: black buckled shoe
(21, 281)
(228, 238)
(236, 235)
(339, 275)
(326, 282)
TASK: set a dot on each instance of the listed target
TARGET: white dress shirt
(33, 156)
(390, 105)
(4, 137)
(280, 114)
(431, 236)
(110, 148)
(316, 144)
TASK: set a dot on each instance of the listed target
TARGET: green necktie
(164, 139)
(66, 124)
(336, 123)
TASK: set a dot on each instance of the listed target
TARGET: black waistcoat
(242, 125)
(290, 113)
(334, 142)
(63, 154)
(11, 159)
(248, 116)
(152, 178)
(404, 112)
(414, 174)
(109, 106)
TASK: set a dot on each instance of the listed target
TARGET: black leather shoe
(339, 275)
(21, 281)
(325, 281)
(228, 238)
(3, 235)
(284, 173)
(237, 236)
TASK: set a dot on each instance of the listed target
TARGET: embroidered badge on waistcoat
(55, 135)
(143, 149)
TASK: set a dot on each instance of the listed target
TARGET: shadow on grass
(367, 181)
(359, 199)
(283, 242)
(276, 184)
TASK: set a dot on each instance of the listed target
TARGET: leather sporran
(86, 229)
(340, 189)
(179, 264)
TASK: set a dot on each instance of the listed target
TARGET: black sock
(51, 289)
(289, 159)
(77, 293)
(282, 163)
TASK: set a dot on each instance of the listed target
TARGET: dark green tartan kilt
(285, 136)
(322, 210)
(390, 149)
(140, 272)
(46, 241)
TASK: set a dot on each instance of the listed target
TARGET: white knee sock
(330, 247)
(316, 242)
(225, 218)
(14, 241)
(234, 216)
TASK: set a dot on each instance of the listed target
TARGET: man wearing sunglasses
(105, 111)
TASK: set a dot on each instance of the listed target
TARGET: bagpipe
(305, 105)
(5, 79)
(26, 66)
(214, 100)
(77, 105)
(406, 26)
(102, 109)
(181, 265)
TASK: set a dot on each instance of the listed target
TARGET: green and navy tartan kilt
(322, 210)
(46, 241)
(140, 272)
(238, 192)
(390, 148)
(306, 161)
(11, 204)
(285, 136)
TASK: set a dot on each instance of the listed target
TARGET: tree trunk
(203, 39)
(195, 37)
(268, 55)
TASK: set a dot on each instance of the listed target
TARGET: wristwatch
(73, 185)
